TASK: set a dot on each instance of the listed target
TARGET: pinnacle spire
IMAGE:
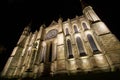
(30, 23)
(83, 4)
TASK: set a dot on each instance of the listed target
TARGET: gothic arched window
(92, 43)
(85, 26)
(67, 31)
(80, 47)
(69, 46)
(75, 29)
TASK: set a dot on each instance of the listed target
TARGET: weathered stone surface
(60, 52)
(61, 65)
(16, 58)
(114, 56)
(100, 28)
(101, 60)
(110, 42)
(86, 64)
(60, 39)
(71, 64)
(10, 72)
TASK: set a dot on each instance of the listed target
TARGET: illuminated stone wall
(81, 44)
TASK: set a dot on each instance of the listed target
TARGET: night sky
(20, 12)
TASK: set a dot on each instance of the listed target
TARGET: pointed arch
(67, 31)
(75, 29)
(92, 43)
(69, 46)
(85, 26)
(80, 47)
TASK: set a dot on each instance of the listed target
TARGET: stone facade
(77, 45)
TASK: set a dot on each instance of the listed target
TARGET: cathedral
(79, 45)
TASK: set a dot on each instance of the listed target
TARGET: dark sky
(20, 12)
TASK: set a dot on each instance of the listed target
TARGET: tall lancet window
(75, 29)
(80, 47)
(69, 46)
(67, 31)
(92, 44)
(85, 26)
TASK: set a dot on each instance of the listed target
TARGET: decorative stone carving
(51, 34)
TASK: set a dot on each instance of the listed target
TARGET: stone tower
(78, 45)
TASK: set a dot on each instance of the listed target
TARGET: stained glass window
(67, 31)
(75, 29)
(84, 26)
(92, 43)
(80, 47)
(69, 46)
(51, 34)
